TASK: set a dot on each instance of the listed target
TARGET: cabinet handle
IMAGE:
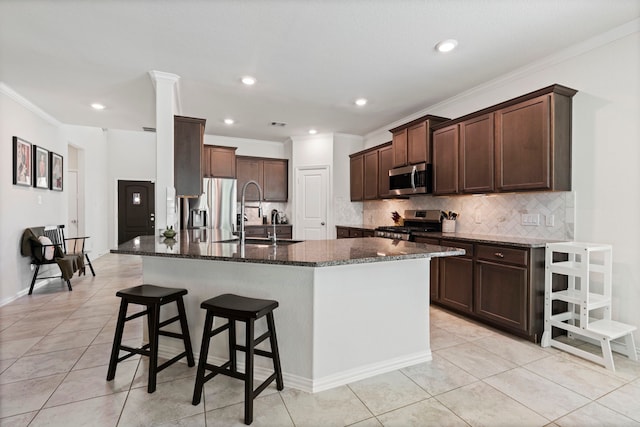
(499, 254)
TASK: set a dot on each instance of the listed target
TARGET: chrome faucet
(274, 220)
(242, 207)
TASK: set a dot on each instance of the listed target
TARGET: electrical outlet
(478, 217)
(530, 219)
(549, 220)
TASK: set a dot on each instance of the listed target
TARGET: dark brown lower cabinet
(283, 231)
(456, 282)
(434, 269)
(501, 294)
(502, 286)
(344, 232)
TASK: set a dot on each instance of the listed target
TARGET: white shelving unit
(587, 271)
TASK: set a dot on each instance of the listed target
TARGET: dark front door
(136, 209)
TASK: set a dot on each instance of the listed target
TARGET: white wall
(22, 207)
(606, 152)
(93, 162)
(345, 211)
(131, 156)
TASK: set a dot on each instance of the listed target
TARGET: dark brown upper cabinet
(385, 163)
(271, 174)
(412, 141)
(371, 175)
(476, 155)
(533, 142)
(445, 160)
(357, 177)
(276, 180)
(188, 142)
(219, 162)
(519, 145)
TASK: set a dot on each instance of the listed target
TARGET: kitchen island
(349, 308)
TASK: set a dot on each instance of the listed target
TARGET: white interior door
(311, 203)
(71, 186)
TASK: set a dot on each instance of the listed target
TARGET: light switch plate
(550, 220)
(530, 219)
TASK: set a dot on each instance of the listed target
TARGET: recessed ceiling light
(360, 102)
(446, 45)
(97, 106)
(313, 131)
(229, 121)
(248, 80)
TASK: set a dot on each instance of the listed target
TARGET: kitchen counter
(313, 253)
(360, 226)
(348, 309)
(515, 241)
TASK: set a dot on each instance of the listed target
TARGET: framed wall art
(40, 167)
(55, 177)
(22, 171)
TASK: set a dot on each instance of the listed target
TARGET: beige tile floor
(55, 344)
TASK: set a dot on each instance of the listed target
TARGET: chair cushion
(47, 251)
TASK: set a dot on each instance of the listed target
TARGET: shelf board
(575, 297)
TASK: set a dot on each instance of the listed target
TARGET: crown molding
(6, 90)
(595, 42)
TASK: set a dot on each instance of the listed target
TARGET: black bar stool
(152, 297)
(242, 309)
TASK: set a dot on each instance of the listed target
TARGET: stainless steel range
(414, 221)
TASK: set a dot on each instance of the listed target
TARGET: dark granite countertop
(311, 253)
(521, 242)
(361, 226)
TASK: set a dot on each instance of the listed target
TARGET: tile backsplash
(494, 214)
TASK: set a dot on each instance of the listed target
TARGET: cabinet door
(418, 144)
(501, 294)
(385, 162)
(456, 283)
(284, 232)
(523, 138)
(276, 177)
(342, 232)
(188, 145)
(249, 169)
(476, 155)
(434, 269)
(371, 175)
(399, 144)
(206, 161)
(222, 162)
(445, 160)
(357, 178)
(255, 231)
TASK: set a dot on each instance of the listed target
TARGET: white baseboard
(23, 292)
(331, 381)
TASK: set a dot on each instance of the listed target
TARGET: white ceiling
(312, 58)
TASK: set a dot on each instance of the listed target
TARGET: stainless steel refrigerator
(215, 209)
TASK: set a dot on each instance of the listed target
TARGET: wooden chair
(68, 254)
(70, 245)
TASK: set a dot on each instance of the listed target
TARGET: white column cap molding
(171, 78)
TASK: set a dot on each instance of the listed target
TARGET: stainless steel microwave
(413, 179)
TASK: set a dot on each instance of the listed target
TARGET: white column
(167, 104)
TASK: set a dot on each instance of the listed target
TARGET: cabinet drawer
(503, 254)
(468, 247)
(342, 232)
